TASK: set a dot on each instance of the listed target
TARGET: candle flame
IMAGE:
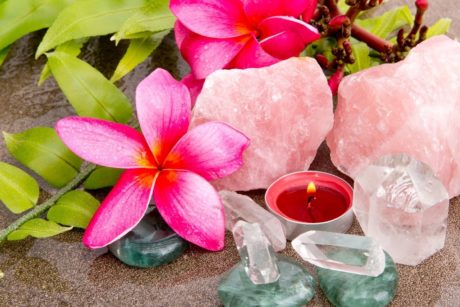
(311, 189)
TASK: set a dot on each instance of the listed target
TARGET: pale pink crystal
(410, 107)
(285, 109)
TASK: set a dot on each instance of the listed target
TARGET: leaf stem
(38, 210)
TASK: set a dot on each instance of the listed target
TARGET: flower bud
(421, 4)
(337, 22)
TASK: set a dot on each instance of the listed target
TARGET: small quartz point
(341, 252)
(257, 255)
(400, 203)
(241, 207)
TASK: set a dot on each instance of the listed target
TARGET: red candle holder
(311, 200)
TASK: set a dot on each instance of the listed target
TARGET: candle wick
(310, 200)
(310, 207)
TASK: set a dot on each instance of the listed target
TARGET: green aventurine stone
(351, 290)
(295, 287)
(151, 243)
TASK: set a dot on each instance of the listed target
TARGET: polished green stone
(351, 290)
(295, 287)
(151, 243)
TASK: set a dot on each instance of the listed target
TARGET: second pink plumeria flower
(216, 34)
(166, 162)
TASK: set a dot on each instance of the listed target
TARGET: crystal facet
(341, 252)
(241, 207)
(295, 287)
(257, 255)
(412, 107)
(400, 203)
(351, 290)
(285, 109)
(151, 243)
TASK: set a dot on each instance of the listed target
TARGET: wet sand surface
(61, 272)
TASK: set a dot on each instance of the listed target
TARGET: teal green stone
(295, 287)
(351, 290)
(151, 243)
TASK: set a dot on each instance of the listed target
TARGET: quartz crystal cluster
(400, 203)
(409, 107)
(341, 252)
(241, 207)
(285, 109)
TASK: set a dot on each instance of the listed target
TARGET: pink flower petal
(283, 45)
(258, 10)
(274, 25)
(212, 150)
(163, 109)
(309, 11)
(122, 209)
(194, 86)
(206, 55)
(252, 56)
(191, 207)
(296, 7)
(212, 18)
(180, 32)
(105, 143)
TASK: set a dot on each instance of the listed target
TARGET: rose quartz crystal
(410, 107)
(285, 109)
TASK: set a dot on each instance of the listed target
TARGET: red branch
(370, 39)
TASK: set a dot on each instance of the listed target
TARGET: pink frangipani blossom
(166, 162)
(217, 34)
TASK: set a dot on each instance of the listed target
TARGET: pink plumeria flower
(216, 34)
(167, 162)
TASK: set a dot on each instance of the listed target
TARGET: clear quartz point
(241, 207)
(400, 203)
(257, 255)
(341, 252)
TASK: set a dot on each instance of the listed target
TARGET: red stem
(359, 33)
(370, 39)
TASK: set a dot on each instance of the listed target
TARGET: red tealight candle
(311, 200)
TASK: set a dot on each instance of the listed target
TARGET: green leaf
(20, 17)
(102, 177)
(75, 208)
(343, 7)
(138, 51)
(18, 190)
(442, 26)
(88, 18)
(155, 17)
(37, 228)
(322, 46)
(384, 25)
(3, 54)
(89, 92)
(362, 59)
(41, 150)
(72, 48)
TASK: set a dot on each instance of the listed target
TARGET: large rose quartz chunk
(285, 109)
(410, 107)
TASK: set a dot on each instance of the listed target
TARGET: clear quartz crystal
(400, 203)
(241, 207)
(341, 252)
(257, 255)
